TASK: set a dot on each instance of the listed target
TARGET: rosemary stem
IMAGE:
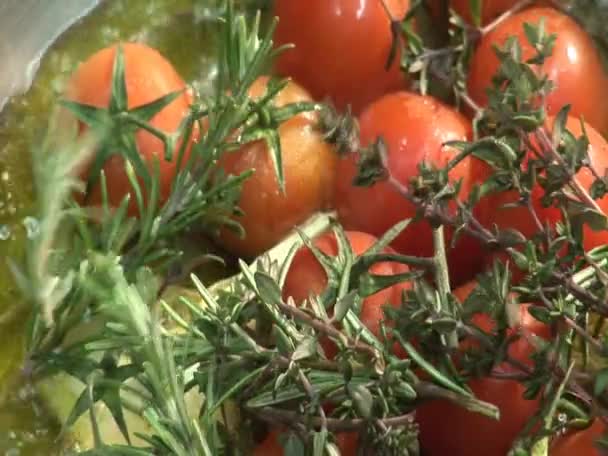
(503, 17)
(442, 276)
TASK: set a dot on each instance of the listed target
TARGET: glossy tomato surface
(148, 77)
(580, 442)
(307, 277)
(308, 165)
(414, 129)
(574, 67)
(341, 48)
(446, 429)
(519, 218)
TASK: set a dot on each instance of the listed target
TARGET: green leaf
(541, 447)
(510, 238)
(292, 445)
(284, 113)
(476, 8)
(284, 344)
(273, 141)
(119, 98)
(117, 450)
(319, 441)
(601, 382)
(583, 215)
(370, 165)
(370, 284)
(559, 126)
(434, 373)
(96, 118)
(532, 32)
(344, 304)
(147, 111)
(388, 237)
(268, 289)
(406, 391)
(444, 325)
(362, 400)
(541, 314)
(305, 349)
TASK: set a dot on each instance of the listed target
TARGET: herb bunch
(565, 283)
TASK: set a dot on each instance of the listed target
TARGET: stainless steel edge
(27, 29)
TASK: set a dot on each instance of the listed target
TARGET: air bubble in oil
(32, 227)
(5, 233)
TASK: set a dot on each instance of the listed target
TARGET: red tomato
(574, 67)
(347, 443)
(306, 277)
(148, 76)
(414, 128)
(308, 165)
(341, 48)
(520, 219)
(520, 349)
(462, 428)
(580, 442)
(446, 429)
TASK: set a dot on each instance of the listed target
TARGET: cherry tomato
(580, 442)
(148, 77)
(448, 429)
(308, 165)
(414, 129)
(574, 66)
(520, 349)
(346, 442)
(307, 277)
(520, 219)
(341, 48)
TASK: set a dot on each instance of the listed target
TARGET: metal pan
(27, 29)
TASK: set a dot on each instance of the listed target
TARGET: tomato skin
(520, 219)
(270, 446)
(307, 277)
(574, 67)
(148, 76)
(448, 429)
(414, 129)
(342, 49)
(309, 167)
(520, 349)
(469, 434)
(580, 442)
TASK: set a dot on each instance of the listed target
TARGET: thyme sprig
(512, 136)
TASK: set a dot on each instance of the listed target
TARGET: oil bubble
(5, 232)
(32, 227)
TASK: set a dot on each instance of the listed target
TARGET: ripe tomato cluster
(341, 54)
